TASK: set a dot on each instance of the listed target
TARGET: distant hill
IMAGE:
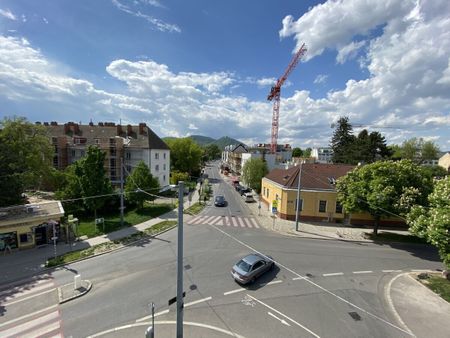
(205, 140)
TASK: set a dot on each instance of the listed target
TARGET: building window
(26, 238)
(157, 167)
(322, 206)
(129, 169)
(264, 191)
(128, 155)
(164, 155)
(97, 141)
(338, 208)
(164, 166)
(73, 153)
(267, 192)
(156, 156)
(300, 206)
(82, 153)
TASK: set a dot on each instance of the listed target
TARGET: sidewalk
(418, 309)
(25, 263)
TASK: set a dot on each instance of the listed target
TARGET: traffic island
(73, 290)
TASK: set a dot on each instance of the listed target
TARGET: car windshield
(219, 198)
(243, 265)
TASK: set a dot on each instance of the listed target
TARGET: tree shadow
(419, 250)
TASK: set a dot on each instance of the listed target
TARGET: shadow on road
(260, 282)
(422, 251)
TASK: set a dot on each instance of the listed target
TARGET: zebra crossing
(229, 221)
(44, 322)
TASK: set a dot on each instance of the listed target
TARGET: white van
(248, 197)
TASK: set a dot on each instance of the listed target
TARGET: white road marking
(282, 314)
(255, 224)
(216, 219)
(333, 274)
(14, 331)
(420, 270)
(233, 220)
(298, 278)
(208, 219)
(247, 223)
(197, 301)
(20, 287)
(28, 315)
(150, 316)
(167, 322)
(39, 332)
(29, 297)
(315, 284)
(234, 291)
(281, 320)
(360, 272)
(271, 283)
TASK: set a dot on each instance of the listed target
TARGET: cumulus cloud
(349, 51)
(156, 23)
(7, 14)
(267, 81)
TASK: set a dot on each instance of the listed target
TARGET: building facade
(318, 197)
(444, 161)
(129, 143)
(322, 155)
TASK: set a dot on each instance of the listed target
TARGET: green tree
(342, 142)
(384, 188)
(429, 151)
(433, 222)
(369, 148)
(92, 179)
(70, 190)
(307, 152)
(253, 172)
(138, 183)
(176, 176)
(25, 158)
(297, 152)
(417, 150)
(411, 149)
(212, 152)
(185, 155)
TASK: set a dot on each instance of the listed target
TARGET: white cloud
(7, 14)
(321, 78)
(267, 81)
(157, 23)
(45, 20)
(349, 51)
(23, 17)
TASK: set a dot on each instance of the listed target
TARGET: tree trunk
(376, 225)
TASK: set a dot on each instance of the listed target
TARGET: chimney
(129, 129)
(119, 130)
(91, 123)
(66, 128)
(100, 124)
(54, 123)
(142, 127)
(45, 123)
(76, 129)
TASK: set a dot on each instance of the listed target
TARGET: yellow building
(318, 197)
(28, 225)
(444, 162)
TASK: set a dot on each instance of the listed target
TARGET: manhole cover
(309, 275)
(187, 267)
(355, 316)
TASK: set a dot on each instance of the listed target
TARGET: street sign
(99, 220)
(174, 299)
(274, 210)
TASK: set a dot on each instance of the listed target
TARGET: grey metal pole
(297, 208)
(180, 304)
(121, 191)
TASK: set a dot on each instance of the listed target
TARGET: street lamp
(297, 208)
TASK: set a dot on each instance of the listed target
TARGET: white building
(322, 155)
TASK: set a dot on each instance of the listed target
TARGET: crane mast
(275, 93)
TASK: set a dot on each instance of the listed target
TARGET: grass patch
(194, 209)
(88, 228)
(440, 286)
(97, 249)
(394, 237)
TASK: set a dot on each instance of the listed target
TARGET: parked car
(219, 201)
(238, 187)
(248, 197)
(245, 190)
(251, 267)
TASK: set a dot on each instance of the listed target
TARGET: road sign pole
(180, 262)
(297, 209)
(121, 191)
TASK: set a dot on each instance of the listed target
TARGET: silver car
(251, 267)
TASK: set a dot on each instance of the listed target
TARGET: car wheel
(272, 266)
(253, 280)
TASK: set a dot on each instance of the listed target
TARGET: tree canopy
(418, 150)
(297, 152)
(433, 222)
(140, 178)
(384, 188)
(212, 152)
(342, 141)
(185, 155)
(92, 179)
(25, 158)
(253, 172)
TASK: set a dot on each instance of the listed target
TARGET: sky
(206, 67)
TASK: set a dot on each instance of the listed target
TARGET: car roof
(219, 197)
(252, 258)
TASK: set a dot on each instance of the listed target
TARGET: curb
(60, 297)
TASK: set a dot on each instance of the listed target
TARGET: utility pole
(180, 304)
(297, 209)
(121, 191)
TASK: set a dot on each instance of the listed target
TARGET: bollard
(77, 282)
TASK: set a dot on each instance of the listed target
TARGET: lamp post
(297, 208)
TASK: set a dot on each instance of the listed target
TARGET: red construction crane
(275, 96)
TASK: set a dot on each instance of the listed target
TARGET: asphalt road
(323, 288)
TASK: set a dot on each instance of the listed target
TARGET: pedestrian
(7, 246)
(204, 199)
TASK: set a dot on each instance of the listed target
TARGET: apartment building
(322, 155)
(132, 143)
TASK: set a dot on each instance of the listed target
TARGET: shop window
(25, 238)
(322, 206)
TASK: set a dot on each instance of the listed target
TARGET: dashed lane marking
(333, 274)
(361, 272)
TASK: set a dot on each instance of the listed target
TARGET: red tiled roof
(315, 176)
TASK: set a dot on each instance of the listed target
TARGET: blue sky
(206, 67)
